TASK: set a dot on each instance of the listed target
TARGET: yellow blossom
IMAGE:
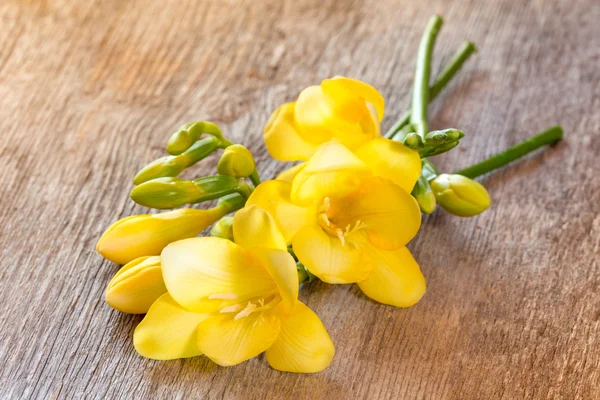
(349, 216)
(233, 301)
(344, 109)
(347, 111)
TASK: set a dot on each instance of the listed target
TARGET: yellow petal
(206, 274)
(374, 120)
(146, 235)
(274, 197)
(168, 331)
(356, 136)
(390, 216)
(228, 342)
(392, 160)
(368, 93)
(314, 114)
(254, 227)
(327, 258)
(289, 174)
(332, 171)
(136, 286)
(282, 268)
(303, 345)
(282, 138)
(396, 279)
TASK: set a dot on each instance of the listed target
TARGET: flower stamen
(231, 309)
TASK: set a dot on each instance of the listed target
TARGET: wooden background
(90, 92)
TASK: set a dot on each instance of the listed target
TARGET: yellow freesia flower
(233, 301)
(147, 234)
(344, 109)
(349, 216)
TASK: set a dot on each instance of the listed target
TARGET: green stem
(549, 136)
(460, 57)
(420, 98)
(254, 178)
(429, 171)
(464, 52)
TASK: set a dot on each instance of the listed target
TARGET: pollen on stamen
(341, 236)
(245, 312)
(360, 225)
(325, 220)
(223, 296)
(231, 309)
(326, 204)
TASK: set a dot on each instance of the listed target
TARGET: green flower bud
(413, 140)
(460, 195)
(223, 228)
(181, 140)
(434, 150)
(236, 161)
(174, 165)
(217, 186)
(437, 142)
(443, 136)
(424, 195)
(408, 137)
(189, 134)
(304, 275)
(162, 167)
(163, 193)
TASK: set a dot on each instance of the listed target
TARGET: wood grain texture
(90, 92)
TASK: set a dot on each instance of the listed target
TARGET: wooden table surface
(90, 92)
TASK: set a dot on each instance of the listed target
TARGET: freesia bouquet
(343, 215)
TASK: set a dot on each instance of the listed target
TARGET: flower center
(331, 220)
(242, 308)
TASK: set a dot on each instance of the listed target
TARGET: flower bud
(147, 234)
(443, 136)
(181, 140)
(174, 165)
(424, 195)
(438, 142)
(460, 195)
(136, 286)
(236, 161)
(413, 140)
(164, 193)
(159, 168)
(188, 134)
(434, 150)
(223, 228)
(408, 137)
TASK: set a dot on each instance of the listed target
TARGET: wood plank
(90, 91)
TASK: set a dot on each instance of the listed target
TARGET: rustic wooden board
(90, 91)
